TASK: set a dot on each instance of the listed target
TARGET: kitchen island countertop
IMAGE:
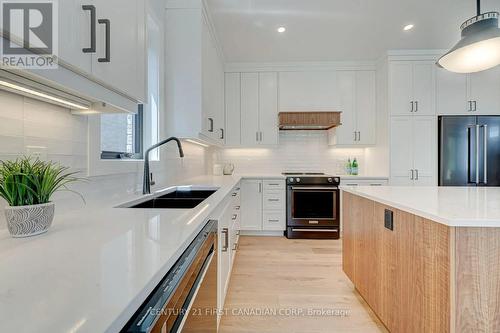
(451, 206)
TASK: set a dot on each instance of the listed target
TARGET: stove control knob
(290, 180)
(297, 180)
(330, 180)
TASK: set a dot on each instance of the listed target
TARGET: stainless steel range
(313, 206)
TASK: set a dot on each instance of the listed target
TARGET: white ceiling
(336, 30)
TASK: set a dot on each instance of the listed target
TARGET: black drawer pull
(90, 49)
(107, 24)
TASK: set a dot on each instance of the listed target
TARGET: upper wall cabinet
(356, 94)
(101, 54)
(120, 57)
(460, 94)
(412, 87)
(251, 109)
(78, 22)
(308, 91)
(106, 39)
(194, 77)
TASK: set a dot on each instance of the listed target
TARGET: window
(121, 135)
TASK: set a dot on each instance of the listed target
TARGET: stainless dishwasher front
(186, 298)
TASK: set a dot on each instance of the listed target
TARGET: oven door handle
(326, 188)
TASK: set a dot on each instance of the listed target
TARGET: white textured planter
(24, 221)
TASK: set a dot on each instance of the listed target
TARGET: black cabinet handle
(107, 24)
(210, 125)
(90, 49)
(222, 134)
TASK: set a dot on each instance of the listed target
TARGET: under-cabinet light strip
(42, 95)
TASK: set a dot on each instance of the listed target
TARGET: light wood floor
(280, 275)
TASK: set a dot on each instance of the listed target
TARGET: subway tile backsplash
(297, 151)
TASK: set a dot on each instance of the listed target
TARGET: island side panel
(348, 232)
(404, 273)
(477, 293)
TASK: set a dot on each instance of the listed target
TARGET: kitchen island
(426, 259)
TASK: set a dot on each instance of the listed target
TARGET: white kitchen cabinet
(118, 84)
(263, 205)
(356, 92)
(413, 150)
(225, 249)
(401, 144)
(258, 109)
(346, 92)
(274, 220)
(74, 34)
(251, 204)
(194, 78)
(425, 150)
(307, 91)
(268, 108)
(249, 109)
(468, 94)
(212, 87)
(484, 91)
(122, 64)
(412, 87)
(228, 237)
(451, 93)
(232, 95)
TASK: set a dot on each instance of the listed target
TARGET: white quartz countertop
(451, 206)
(95, 266)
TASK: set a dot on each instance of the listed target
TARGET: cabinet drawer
(274, 221)
(274, 201)
(274, 185)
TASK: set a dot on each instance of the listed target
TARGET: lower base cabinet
(419, 275)
(228, 238)
(263, 205)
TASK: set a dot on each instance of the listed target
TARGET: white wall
(298, 150)
(26, 123)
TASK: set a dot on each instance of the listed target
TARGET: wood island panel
(477, 293)
(404, 273)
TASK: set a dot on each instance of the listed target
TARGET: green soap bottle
(354, 167)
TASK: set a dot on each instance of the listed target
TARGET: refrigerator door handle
(477, 153)
(485, 155)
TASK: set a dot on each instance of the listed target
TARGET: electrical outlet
(39, 152)
(389, 219)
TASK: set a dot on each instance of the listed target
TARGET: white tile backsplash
(297, 151)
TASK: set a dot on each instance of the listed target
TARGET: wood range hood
(308, 120)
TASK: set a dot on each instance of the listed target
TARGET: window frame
(139, 141)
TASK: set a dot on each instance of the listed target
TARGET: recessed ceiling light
(281, 29)
(408, 27)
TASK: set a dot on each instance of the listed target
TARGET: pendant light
(479, 48)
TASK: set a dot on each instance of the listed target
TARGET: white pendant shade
(473, 58)
(479, 48)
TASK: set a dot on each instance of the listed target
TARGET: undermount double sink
(180, 197)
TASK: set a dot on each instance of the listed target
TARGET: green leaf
(28, 181)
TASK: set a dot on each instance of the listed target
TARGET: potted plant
(27, 185)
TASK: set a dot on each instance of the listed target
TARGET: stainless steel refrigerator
(469, 150)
